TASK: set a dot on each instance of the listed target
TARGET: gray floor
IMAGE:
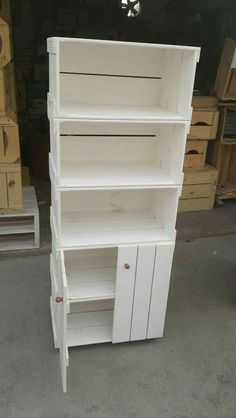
(190, 373)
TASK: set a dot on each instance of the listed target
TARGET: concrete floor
(190, 373)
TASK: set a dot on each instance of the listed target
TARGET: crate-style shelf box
(95, 218)
(110, 80)
(116, 155)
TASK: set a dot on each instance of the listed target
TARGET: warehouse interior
(189, 372)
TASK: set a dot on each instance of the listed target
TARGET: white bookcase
(119, 115)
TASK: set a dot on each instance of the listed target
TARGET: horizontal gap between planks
(112, 135)
(112, 75)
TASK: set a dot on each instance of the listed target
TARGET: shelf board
(89, 328)
(114, 175)
(17, 226)
(86, 285)
(77, 231)
(17, 242)
(113, 112)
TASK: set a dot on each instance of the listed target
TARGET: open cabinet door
(125, 281)
(61, 300)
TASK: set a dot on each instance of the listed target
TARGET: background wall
(203, 23)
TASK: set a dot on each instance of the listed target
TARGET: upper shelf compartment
(92, 79)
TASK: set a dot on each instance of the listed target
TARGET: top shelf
(119, 80)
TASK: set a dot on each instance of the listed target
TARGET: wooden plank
(194, 161)
(5, 53)
(205, 117)
(9, 144)
(205, 102)
(196, 191)
(160, 289)
(198, 146)
(11, 168)
(126, 267)
(207, 174)
(25, 175)
(232, 84)
(5, 10)
(142, 291)
(202, 132)
(202, 203)
(223, 72)
(14, 189)
(3, 191)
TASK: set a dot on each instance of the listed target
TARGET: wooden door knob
(58, 299)
(127, 266)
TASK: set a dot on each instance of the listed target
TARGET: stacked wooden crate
(199, 178)
(10, 166)
(223, 151)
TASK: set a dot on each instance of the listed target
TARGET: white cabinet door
(160, 289)
(142, 292)
(62, 318)
(126, 268)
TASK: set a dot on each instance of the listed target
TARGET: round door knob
(59, 299)
(127, 266)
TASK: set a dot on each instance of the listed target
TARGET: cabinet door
(142, 292)
(61, 300)
(160, 289)
(124, 293)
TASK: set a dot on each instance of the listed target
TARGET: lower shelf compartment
(89, 328)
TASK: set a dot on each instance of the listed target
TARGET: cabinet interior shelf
(89, 328)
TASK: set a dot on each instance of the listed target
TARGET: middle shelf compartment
(111, 217)
(116, 154)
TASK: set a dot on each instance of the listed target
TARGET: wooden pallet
(20, 230)
(225, 82)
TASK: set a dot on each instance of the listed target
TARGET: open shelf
(89, 328)
(117, 155)
(91, 274)
(129, 81)
(115, 217)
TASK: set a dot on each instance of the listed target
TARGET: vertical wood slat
(14, 190)
(160, 289)
(124, 293)
(3, 191)
(142, 292)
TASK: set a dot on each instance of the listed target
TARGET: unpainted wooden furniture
(119, 116)
(19, 230)
(199, 191)
(225, 82)
(223, 152)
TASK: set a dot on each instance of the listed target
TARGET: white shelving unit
(119, 115)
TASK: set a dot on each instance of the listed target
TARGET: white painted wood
(89, 328)
(19, 230)
(111, 218)
(160, 289)
(62, 320)
(122, 74)
(119, 115)
(124, 293)
(143, 285)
